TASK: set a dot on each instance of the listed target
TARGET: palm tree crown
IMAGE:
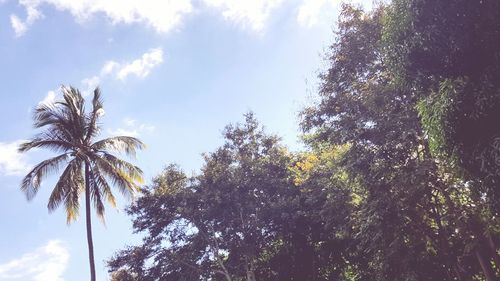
(71, 131)
(89, 165)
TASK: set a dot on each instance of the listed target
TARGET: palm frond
(128, 145)
(92, 127)
(69, 129)
(96, 196)
(100, 191)
(64, 184)
(73, 99)
(103, 185)
(123, 181)
(46, 114)
(54, 118)
(73, 106)
(132, 171)
(72, 207)
(52, 144)
(31, 182)
(71, 200)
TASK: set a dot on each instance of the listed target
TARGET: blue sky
(172, 73)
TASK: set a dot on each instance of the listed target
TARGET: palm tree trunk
(89, 223)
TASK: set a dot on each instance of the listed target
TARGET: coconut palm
(90, 167)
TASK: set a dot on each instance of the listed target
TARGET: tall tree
(446, 52)
(89, 164)
(397, 223)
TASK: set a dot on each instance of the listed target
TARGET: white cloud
(147, 128)
(248, 13)
(11, 161)
(124, 132)
(46, 263)
(132, 128)
(89, 84)
(49, 99)
(139, 67)
(129, 122)
(310, 10)
(20, 27)
(166, 15)
(109, 67)
(162, 15)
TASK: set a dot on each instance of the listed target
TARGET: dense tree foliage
(399, 181)
(447, 54)
(397, 221)
(242, 218)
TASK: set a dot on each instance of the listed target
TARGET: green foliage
(123, 275)
(247, 216)
(448, 57)
(416, 221)
(434, 111)
(399, 182)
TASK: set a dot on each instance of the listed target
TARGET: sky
(173, 73)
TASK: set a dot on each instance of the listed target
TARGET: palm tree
(89, 165)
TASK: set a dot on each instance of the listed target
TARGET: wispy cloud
(11, 161)
(309, 11)
(166, 15)
(313, 12)
(89, 84)
(251, 14)
(140, 67)
(20, 27)
(132, 128)
(50, 98)
(46, 263)
(162, 15)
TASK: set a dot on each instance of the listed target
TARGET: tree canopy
(399, 180)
